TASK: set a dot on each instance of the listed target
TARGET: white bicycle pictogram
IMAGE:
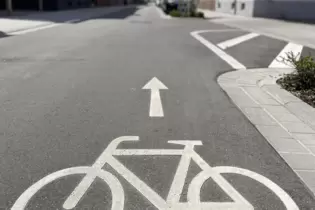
(187, 154)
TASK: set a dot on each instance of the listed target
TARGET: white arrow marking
(156, 108)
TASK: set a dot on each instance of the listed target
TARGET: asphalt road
(67, 92)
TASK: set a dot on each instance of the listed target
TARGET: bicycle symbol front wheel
(115, 186)
(197, 182)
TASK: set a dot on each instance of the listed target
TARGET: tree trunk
(9, 7)
(40, 5)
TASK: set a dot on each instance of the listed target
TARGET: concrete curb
(284, 120)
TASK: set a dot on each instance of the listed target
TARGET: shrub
(175, 13)
(197, 14)
(304, 76)
(302, 81)
(200, 15)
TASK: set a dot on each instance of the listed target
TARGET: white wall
(286, 9)
(225, 6)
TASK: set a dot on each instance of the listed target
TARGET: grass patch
(302, 81)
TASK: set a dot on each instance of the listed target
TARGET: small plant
(304, 76)
(175, 13)
(302, 81)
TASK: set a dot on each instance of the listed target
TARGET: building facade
(207, 4)
(57, 4)
(303, 10)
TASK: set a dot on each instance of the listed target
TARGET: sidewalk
(299, 33)
(286, 122)
(9, 25)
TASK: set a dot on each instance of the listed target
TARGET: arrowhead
(155, 83)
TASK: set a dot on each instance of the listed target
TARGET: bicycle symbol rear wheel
(118, 196)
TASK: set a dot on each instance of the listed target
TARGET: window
(233, 5)
(243, 6)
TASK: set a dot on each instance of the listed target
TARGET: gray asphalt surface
(67, 92)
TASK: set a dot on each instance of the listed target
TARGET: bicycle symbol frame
(172, 202)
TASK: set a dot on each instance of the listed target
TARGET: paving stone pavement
(283, 119)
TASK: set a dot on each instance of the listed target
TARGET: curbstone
(306, 138)
(305, 112)
(260, 96)
(281, 113)
(308, 176)
(300, 161)
(286, 122)
(257, 116)
(281, 95)
(288, 145)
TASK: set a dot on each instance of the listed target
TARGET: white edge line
(33, 29)
(296, 49)
(223, 55)
(73, 21)
(235, 41)
(221, 30)
(270, 35)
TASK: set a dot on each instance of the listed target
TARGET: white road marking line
(162, 14)
(194, 188)
(34, 29)
(122, 152)
(156, 108)
(51, 25)
(137, 183)
(88, 179)
(296, 49)
(221, 30)
(235, 41)
(179, 180)
(118, 196)
(282, 195)
(223, 55)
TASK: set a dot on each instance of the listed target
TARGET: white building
(284, 9)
